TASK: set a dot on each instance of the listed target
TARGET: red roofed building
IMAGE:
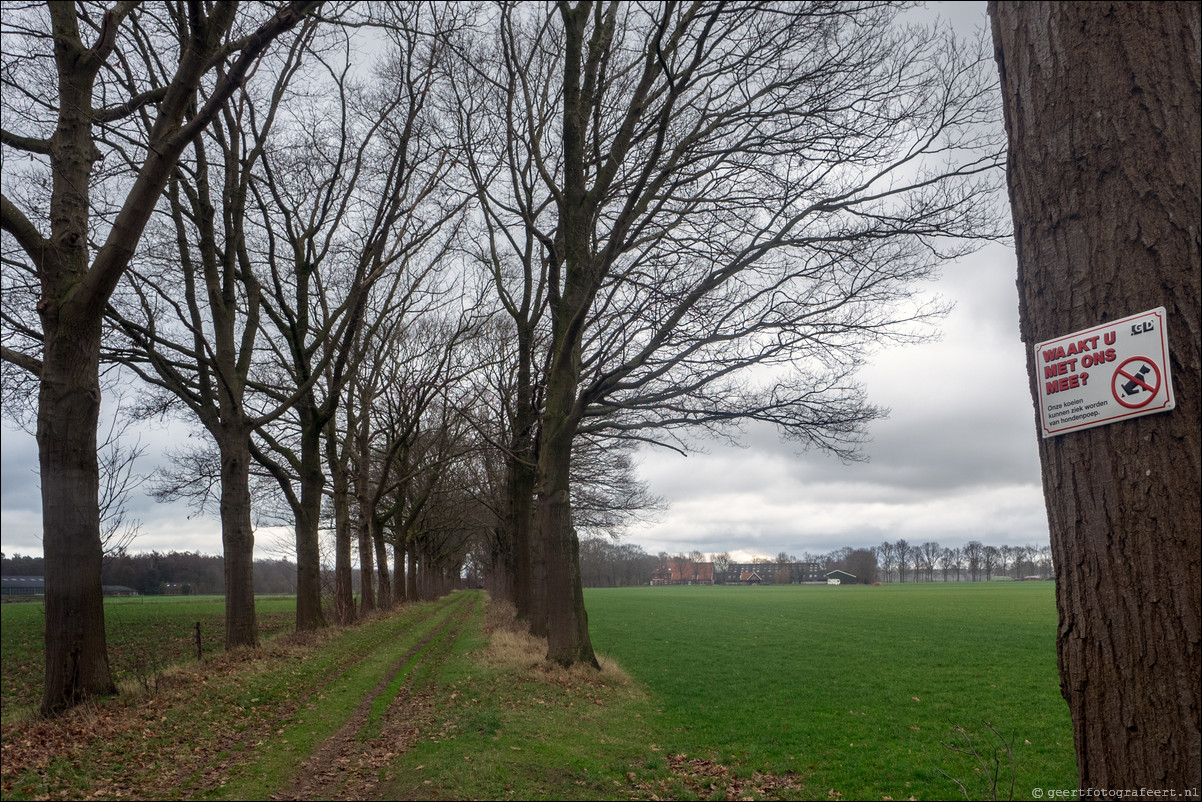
(683, 572)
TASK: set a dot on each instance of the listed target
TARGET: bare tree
(118, 481)
(729, 187)
(862, 563)
(974, 555)
(904, 555)
(989, 560)
(1005, 558)
(61, 95)
(351, 198)
(886, 557)
(722, 563)
(949, 559)
(1103, 110)
(189, 312)
(929, 555)
(497, 113)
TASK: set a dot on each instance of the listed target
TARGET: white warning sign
(1111, 372)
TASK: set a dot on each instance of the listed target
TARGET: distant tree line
(605, 563)
(158, 573)
(974, 562)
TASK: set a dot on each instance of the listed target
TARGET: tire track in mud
(347, 767)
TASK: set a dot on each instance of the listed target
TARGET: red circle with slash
(1137, 378)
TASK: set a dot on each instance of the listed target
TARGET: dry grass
(512, 647)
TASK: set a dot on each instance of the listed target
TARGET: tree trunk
(525, 567)
(363, 485)
(1102, 105)
(344, 593)
(77, 663)
(237, 536)
(411, 574)
(309, 614)
(398, 574)
(69, 406)
(384, 592)
(567, 623)
(568, 640)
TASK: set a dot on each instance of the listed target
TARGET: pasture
(847, 685)
(145, 635)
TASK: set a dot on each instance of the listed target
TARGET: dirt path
(348, 765)
(200, 730)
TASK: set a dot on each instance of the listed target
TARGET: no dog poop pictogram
(1136, 382)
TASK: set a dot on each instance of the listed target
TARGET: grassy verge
(430, 702)
(237, 726)
(505, 725)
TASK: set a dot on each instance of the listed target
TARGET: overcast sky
(955, 461)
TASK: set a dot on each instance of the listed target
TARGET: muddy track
(348, 766)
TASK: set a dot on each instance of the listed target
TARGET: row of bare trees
(424, 275)
(888, 562)
(974, 561)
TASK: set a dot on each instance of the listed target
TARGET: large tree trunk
(1102, 105)
(571, 294)
(77, 663)
(69, 404)
(568, 640)
(237, 536)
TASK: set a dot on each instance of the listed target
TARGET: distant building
(683, 572)
(773, 573)
(36, 586)
(840, 578)
(22, 586)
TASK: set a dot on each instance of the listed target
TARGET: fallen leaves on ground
(704, 778)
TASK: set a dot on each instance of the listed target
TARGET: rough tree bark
(1102, 112)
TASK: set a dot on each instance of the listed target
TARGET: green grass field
(848, 685)
(145, 634)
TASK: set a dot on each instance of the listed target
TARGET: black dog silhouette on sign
(1132, 387)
